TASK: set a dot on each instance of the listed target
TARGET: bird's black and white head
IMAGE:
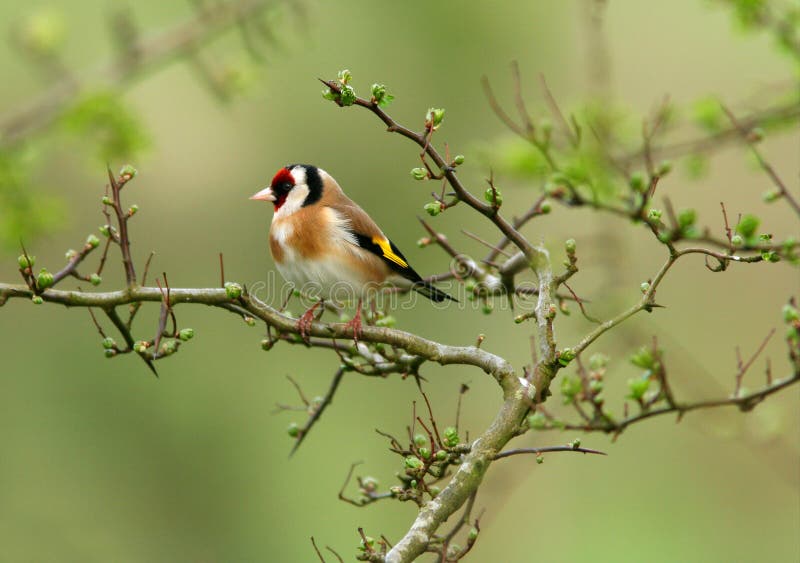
(293, 187)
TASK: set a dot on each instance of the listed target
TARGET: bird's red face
(278, 190)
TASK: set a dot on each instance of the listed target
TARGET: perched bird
(323, 242)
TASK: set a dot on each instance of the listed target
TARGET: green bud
(43, 32)
(140, 346)
(576, 443)
(381, 96)
(186, 334)
(249, 321)
(537, 421)
(347, 96)
(369, 484)
(37, 300)
(368, 545)
(708, 114)
(128, 170)
(570, 388)
(644, 287)
(328, 94)
(664, 168)
(293, 430)
(595, 386)
(458, 160)
(378, 91)
(70, 254)
(419, 173)
(687, 218)
(26, 261)
(570, 246)
(545, 207)
(473, 534)
(266, 344)
(638, 386)
(106, 200)
(109, 353)
(425, 453)
(493, 196)
(598, 362)
(233, 290)
(433, 208)
(539, 459)
(737, 240)
(344, 76)
(451, 438)
(643, 358)
(44, 279)
(770, 196)
(748, 225)
(636, 182)
(413, 462)
(105, 230)
(95, 279)
(168, 348)
(109, 342)
(93, 241)
(654, 214)
(441, 455)
(487, 308)
(420, 440)
(434, 491)
(133, 209)
(790, 313)
(434, 117)
(770, 256)
(565, 356)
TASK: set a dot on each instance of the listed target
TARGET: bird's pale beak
(264, 195)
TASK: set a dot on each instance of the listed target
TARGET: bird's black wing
(387, 251)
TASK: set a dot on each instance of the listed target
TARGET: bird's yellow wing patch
(388, 253)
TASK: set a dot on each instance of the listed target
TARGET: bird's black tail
(432, 292)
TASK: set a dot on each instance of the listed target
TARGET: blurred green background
(99, 461)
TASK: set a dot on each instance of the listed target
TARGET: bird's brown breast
(312, 233)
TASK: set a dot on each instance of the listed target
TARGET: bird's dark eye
(283, 187)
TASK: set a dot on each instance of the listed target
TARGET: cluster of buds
(346, 95)
(425, 458)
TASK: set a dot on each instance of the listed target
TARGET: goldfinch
(322, 241)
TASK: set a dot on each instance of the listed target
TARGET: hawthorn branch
(461, 192)
(428, 350)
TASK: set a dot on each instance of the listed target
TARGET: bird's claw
(355, 324)
(305, 321)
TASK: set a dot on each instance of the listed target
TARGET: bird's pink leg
(355, 324)
(304, 322)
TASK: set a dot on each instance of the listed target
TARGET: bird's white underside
(325, 277)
